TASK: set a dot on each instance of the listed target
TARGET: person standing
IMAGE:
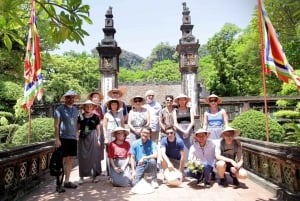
(97, 97)
(89, 143)
(116, 93)
(65, 128)
(203, 152)
(184, 122)
(113, 118)
(138, 118)
(118, 154)
(229, 157)
(166, 116)
(215, 118)
(154, 109)
(143, 158)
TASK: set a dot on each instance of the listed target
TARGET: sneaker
(235, 181)
(154, 184)
(95, 180)
(60, 189)
(80, 181)
(207, 184)
(70, 185)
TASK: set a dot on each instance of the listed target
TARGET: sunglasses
(171, 133)
(138, 100)
(213, 100)
(115, 92)
(69, 97)
(169, 100)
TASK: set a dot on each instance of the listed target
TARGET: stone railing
(24, 168)
(277, 163)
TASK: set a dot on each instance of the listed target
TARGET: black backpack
(56, 163)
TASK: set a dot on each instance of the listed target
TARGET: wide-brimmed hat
(126, 131)
(69, 93)
(137, 97)
(188, 99)
(90, 95)
(201, 130)
(120, 103)
(236, 132)
(87, 102)
(219, 100)
(114, 90)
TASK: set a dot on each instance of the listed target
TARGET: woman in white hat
(89, 142)
(184, 121)
(112, 118)
(118, 154)
(138, 117)
(215, 118)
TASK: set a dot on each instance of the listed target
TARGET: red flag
(32, 64)
(274, 56)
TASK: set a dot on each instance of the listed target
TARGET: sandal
(70, 185)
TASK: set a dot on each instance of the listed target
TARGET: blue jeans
(207, 169)
(149, 166)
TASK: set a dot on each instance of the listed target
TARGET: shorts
(228, 166)
(69, 147)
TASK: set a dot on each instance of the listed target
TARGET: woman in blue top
(215, 119)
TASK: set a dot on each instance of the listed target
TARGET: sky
(141, 25)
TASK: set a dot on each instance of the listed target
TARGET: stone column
(109, 57)
(188, 59)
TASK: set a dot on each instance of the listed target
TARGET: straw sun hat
(213, 96)
(137, 97)
(236, 132)
(176, 100)
(90, 95)
(126, 131)
(108, 103)
(115, 90)
(87, 102)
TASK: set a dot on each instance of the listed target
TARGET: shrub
(252, 125)
(9, 116)
(7, 132)
(290, 114)
(42, 129)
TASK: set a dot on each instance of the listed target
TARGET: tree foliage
(60, 19)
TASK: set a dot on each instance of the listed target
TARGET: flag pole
(262, 53)
(29, 125)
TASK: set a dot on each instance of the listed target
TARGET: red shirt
(118, 150)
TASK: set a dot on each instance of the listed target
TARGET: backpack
(56, 163)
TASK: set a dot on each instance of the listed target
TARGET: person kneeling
(229, 157)
(118, 154)
(172, 153)
(202, 152)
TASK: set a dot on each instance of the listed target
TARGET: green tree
(218, 46)
(60, 19)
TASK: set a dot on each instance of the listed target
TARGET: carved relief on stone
(189, 59)
(107, 62)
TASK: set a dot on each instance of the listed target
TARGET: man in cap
(143, 158)
(65, 127)
(203, 152)
(229, 157)
(154, 109)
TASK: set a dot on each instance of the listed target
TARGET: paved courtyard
(188, 191)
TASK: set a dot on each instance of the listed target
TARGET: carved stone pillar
(188, 59)
(109, 56)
